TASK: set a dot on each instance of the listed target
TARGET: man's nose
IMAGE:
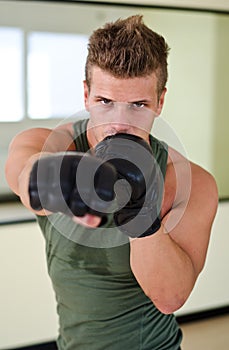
(121, 122)
(120, 127)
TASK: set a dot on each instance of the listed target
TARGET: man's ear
(161, 101)
(86, 94)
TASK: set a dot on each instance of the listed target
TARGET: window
(11, 73)
(48, 71)
(55, 74)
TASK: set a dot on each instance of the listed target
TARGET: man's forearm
(164, 271)
(26, 148)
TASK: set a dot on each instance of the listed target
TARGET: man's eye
(106, 102)
(138, 104)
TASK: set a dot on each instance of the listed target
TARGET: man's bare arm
(168, 263)
(26, 148)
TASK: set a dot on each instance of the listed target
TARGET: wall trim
(139, 5)
(203, 315)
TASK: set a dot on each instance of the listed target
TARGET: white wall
(28, 308)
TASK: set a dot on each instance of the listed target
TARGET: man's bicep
(189, 223)
(38, 140)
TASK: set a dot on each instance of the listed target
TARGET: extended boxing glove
(139, 197)
(72, 183)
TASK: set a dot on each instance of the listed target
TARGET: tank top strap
(80, 135)
(160, 152)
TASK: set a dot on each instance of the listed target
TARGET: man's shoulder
(179, 165)
(203, 184)
(188, 184)
(67, 127)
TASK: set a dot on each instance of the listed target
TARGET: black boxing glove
(72, 183)
(139, 200)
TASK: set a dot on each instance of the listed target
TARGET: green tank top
(99, 302)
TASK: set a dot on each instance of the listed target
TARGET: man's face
(121, 105)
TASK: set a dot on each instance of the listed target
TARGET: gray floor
(211, 334)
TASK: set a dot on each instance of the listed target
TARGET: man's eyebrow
(134, 101)
(140, 101)
(103, 97)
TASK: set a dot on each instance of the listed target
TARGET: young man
(117, 290)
